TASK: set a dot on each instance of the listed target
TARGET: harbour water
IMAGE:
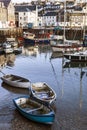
(68, 80)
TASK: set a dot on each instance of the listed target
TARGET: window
(24, 18)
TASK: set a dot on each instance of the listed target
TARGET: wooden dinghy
(16, 81)
(34, 110)
(43, 92)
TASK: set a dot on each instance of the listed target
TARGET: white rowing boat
(16, 81)
(43, 92)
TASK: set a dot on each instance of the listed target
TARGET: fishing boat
(65, 46)
(16, 81)
(43, 92)
(32, 39)
(78, 56)
(7, 47)
(12, 42)
(34, 110)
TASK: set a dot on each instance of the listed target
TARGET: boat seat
(18, 80)
(35, 109)
(42, 92)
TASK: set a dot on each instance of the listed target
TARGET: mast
(84, 20)
(36, 15)
(64, 18)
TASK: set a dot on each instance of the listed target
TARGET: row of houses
(63, 14)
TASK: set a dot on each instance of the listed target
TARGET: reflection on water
(81, 74)
(69, 81)
(69, 64)
(14, 90)
(7, 60)
(56, 55)
(30, 51)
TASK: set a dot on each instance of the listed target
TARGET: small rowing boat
(34, 110)
(16, 81)
(43, 92)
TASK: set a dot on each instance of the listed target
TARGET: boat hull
(41, 118)
(29, 42)
(16, 83)
(69, 46)
(36, 41)
(43, 92)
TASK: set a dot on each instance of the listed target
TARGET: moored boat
(7, 47)
(12, 42)
(8, 50)
(34, 110)
(32, 39)
(43, 92)
(68, 46)
(16, 81)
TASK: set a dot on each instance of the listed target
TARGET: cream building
(7, 14)
(78, 18)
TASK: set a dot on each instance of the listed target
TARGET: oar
(2, 72)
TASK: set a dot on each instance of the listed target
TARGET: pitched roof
(25, 8)
(6, 2)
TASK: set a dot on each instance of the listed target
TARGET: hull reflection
(14, 90)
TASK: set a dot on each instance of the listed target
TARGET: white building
(30, 14)
(27, 17)
(50, 19)
(27, 14)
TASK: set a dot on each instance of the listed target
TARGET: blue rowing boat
(34, 110)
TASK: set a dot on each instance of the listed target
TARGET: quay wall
(11, 32)
(72, 34)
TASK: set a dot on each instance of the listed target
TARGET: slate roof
(25, 8)
(51, 14)
(6, 2)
